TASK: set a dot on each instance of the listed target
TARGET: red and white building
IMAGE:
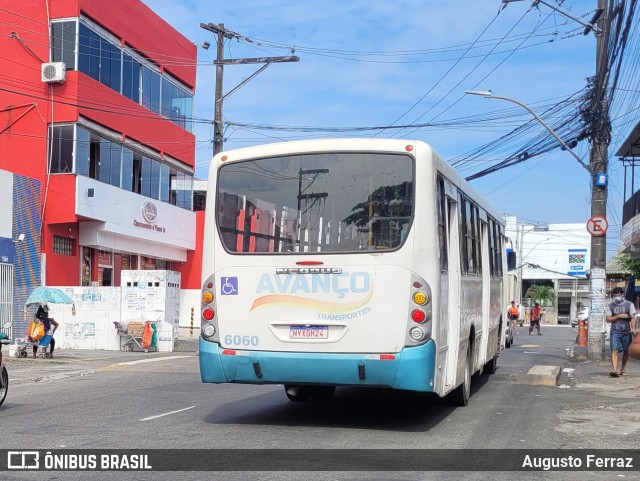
(96, 103)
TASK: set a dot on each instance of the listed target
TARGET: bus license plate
(309, 332)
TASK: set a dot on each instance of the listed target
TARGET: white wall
(96, 310)
(6, 203)
(190, 298)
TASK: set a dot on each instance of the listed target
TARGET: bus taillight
(418, 315)
(207, 297)
(420, 298)
(208, 314)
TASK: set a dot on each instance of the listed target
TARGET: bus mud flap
(361, 373)
(257, 369)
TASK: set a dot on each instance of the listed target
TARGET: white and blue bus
(349, 262)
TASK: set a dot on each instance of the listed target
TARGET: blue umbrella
(48, 295)
(630, 292)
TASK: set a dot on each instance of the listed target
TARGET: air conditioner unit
(54, 72)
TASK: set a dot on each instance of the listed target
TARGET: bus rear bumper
(411, 369)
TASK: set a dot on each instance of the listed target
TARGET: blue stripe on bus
(412, 369)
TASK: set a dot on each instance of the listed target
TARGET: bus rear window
(322, 202)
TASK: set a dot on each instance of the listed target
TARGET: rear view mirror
(511, 260)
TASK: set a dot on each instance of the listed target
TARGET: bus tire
(492, 366)
(5, 382)
(322, 393)
(297, 393)
(460, 395)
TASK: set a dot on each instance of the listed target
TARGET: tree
(545, 295)
(626, 263)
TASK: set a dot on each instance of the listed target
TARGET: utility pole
(217, 116)
(600, 25)
(220, 62)
(600, 139)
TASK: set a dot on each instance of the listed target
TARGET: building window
(99, 58)
(63, 43)
(61, 141)
(151, 90)
(63, 245)
(176, 104)
(112, 163)
(131, 78)
(104, 60)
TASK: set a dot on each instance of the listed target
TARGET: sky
(370, 63)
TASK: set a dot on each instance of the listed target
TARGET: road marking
(530, 345)
(165, 414)
(155, 359)
(530, 352)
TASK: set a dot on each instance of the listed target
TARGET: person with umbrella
(50, 327)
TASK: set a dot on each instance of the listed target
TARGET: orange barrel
(582, 334)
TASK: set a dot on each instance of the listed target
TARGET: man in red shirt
(535, 315)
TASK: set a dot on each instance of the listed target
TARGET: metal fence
(6, 297)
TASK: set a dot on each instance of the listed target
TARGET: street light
(489, 95)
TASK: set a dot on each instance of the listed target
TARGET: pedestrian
(534, 318)
(622, 316)
(513, 313)
(50, 327)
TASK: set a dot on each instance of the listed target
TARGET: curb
(51, 377)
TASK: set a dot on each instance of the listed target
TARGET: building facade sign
(150, 214)
(134, 216)
(577, 262)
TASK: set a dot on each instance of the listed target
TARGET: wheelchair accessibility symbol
(229, 286)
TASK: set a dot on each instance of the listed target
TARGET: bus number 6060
(241, 340)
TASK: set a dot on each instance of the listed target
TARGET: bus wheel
(460, 396)
(322, 393)
(492, 366)
(297, 393)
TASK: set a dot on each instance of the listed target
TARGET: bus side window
(442, 224)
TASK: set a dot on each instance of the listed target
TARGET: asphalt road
(163, 404)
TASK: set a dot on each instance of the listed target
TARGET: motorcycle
(4, 376)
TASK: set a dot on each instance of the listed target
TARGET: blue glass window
(164, 182)
(131, 78)
(83, 144)
(127, 169)
(151, 90)
(145, 177)
(61, 149)
(63, 43)
(155, 179)
(105, 161)
(116, 160)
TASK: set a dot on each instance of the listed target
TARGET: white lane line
(165, 414)
(155, 359)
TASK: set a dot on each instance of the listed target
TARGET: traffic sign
(597, 226)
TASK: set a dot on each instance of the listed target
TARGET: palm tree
(545, 295)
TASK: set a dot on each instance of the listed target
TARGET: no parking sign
(597, 226)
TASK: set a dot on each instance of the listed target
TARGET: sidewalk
(72, 363)
(604, 410)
